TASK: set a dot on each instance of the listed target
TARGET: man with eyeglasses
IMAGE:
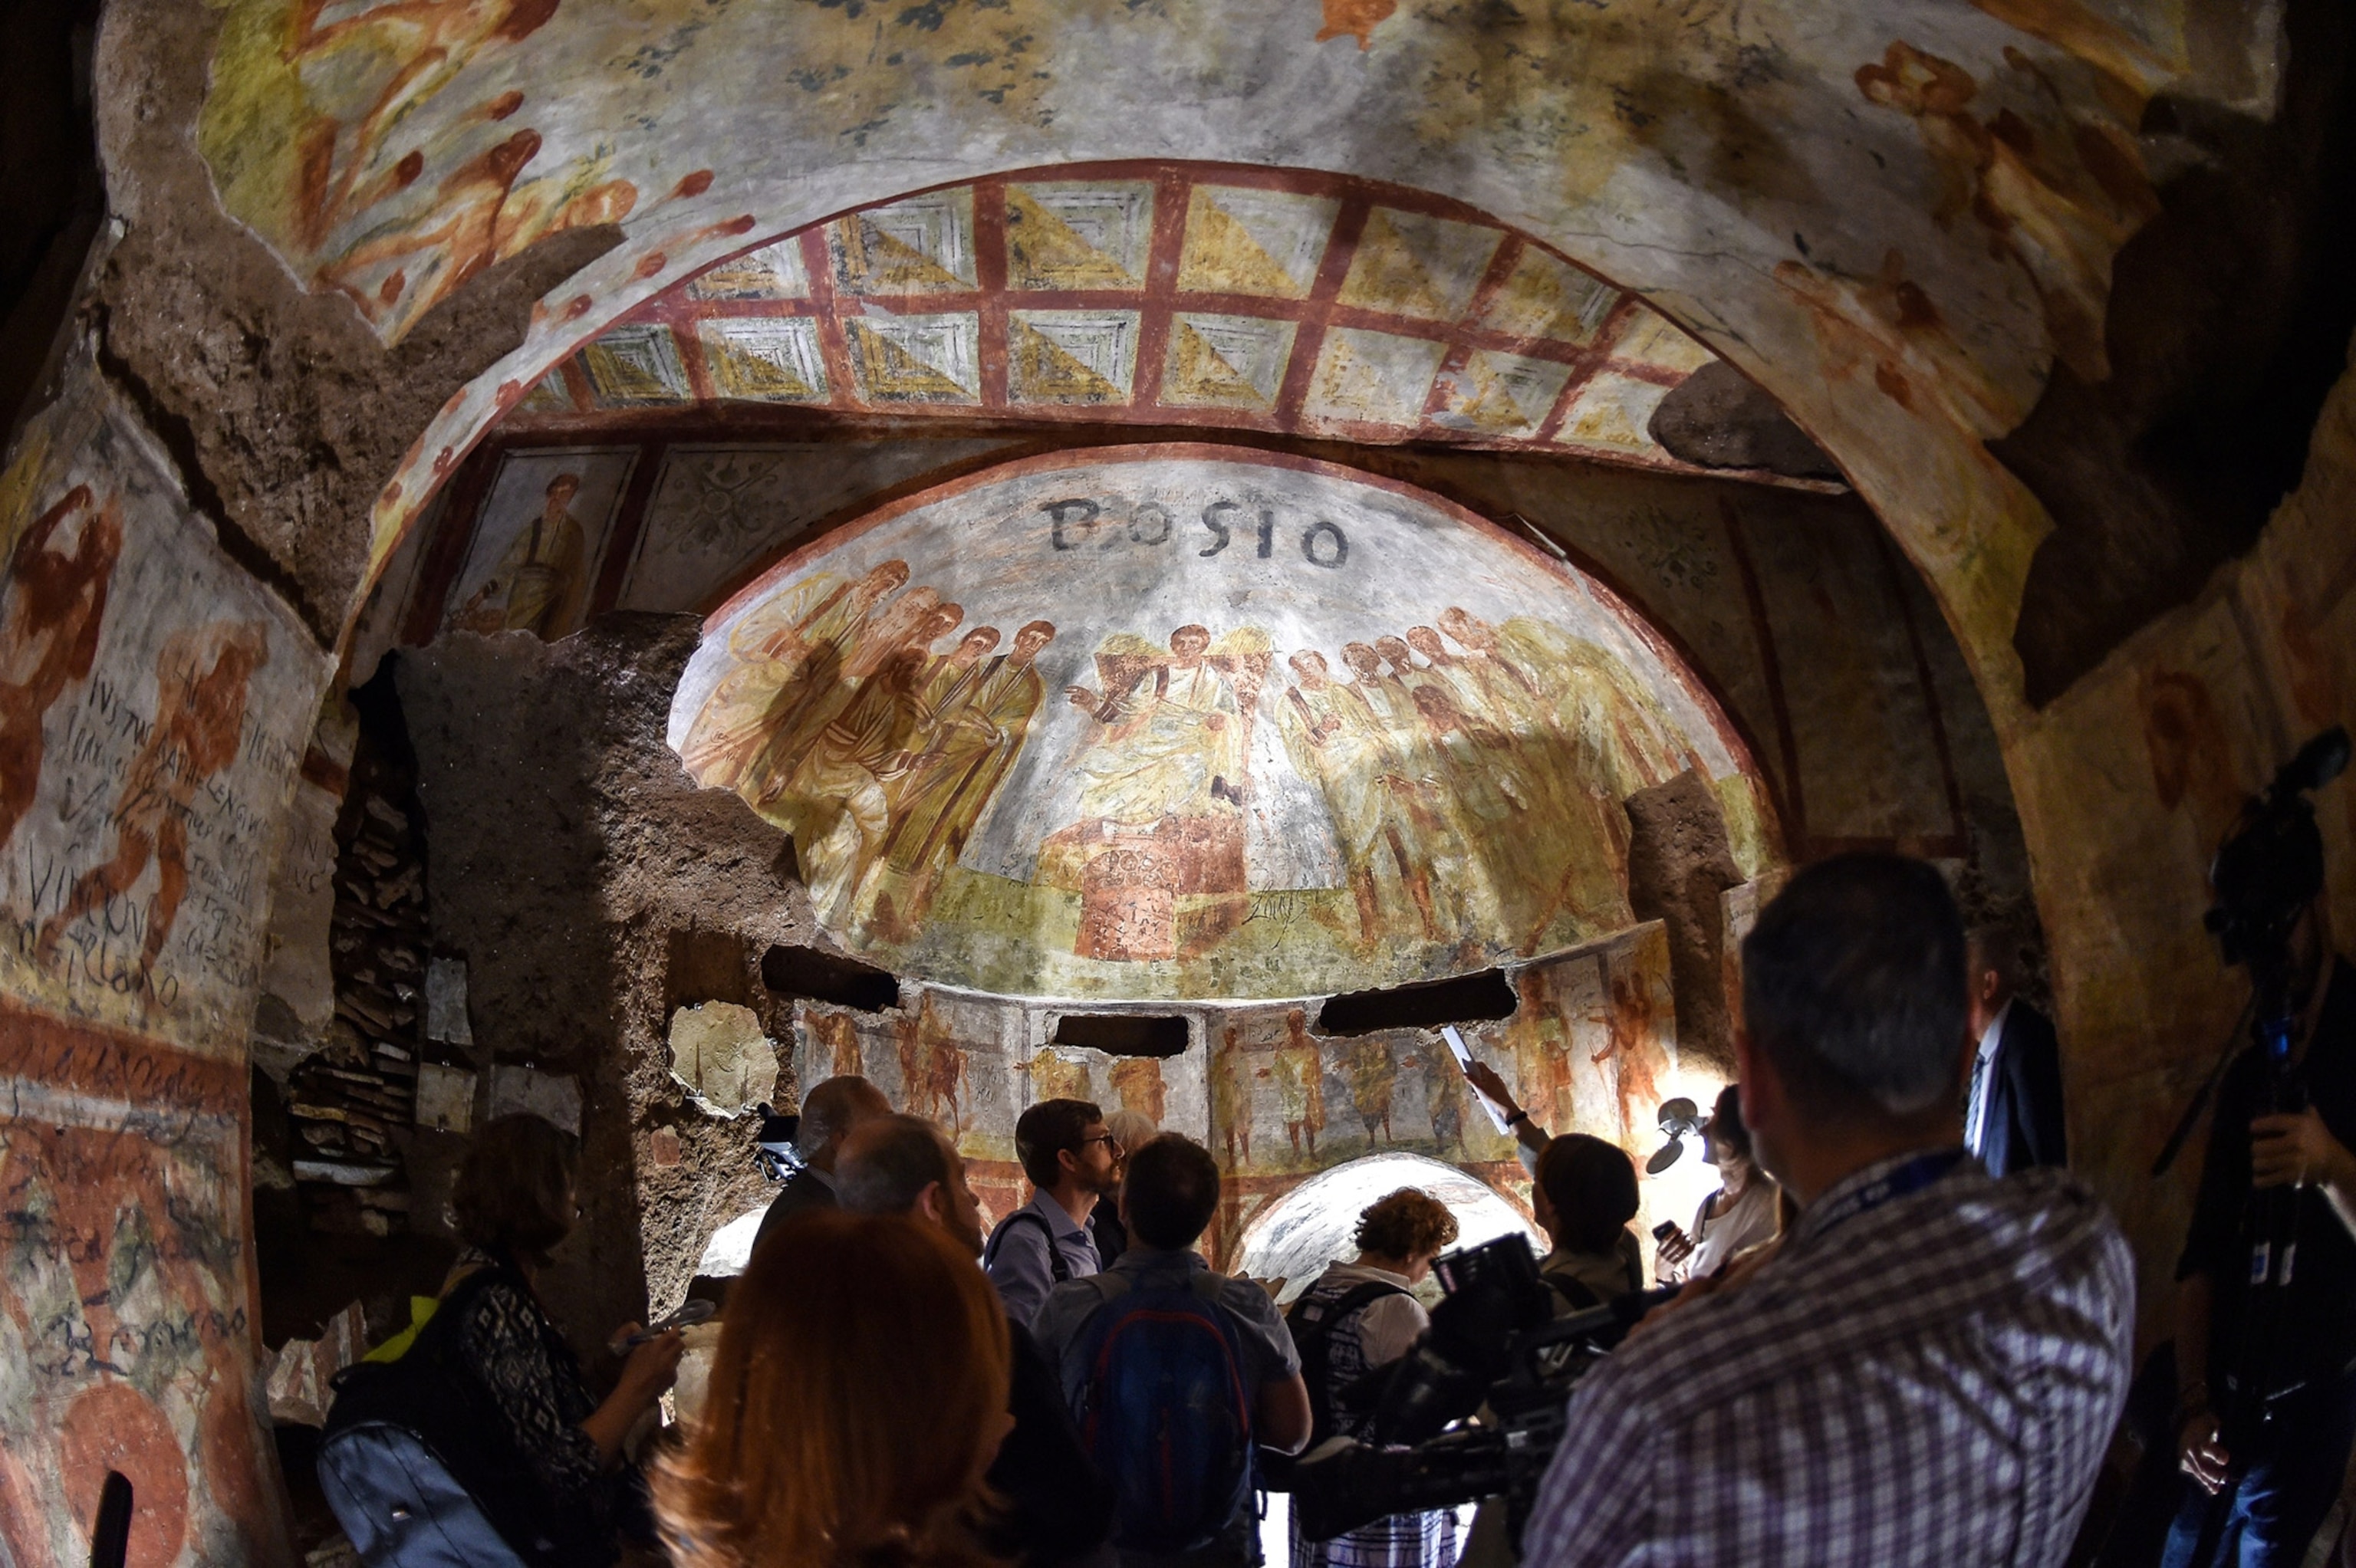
(1071, 1160)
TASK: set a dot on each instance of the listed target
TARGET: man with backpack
(1175, 1372)
(1351, 1328)
(1073, 1161)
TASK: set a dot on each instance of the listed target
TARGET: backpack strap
(1059, 1266)
(1313, 1323)
(1579, 1297)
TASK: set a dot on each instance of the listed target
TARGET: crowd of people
(1903, 1335)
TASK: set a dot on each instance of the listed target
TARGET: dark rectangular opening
(1123, 1034)
(804, 973)
(1427, 1004)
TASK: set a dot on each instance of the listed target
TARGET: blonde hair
(861, 1378)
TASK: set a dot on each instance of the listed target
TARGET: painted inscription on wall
(125, 1339)
(1169, 722)
(155, 701)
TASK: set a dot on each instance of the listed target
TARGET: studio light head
(2271, 869)
(1680, 1117)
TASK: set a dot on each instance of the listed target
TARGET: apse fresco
(1295, 732)
(1591, 1047)
(973, 1063)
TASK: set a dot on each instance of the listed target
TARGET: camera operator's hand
(2298, 1150)
(2198, 1452)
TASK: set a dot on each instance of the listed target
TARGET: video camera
(1495, 1341)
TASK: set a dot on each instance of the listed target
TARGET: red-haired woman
(858, 1395)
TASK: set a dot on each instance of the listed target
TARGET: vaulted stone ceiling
(1895, 220)
(1254, 299)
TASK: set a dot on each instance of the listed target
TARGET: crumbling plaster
(282, 410)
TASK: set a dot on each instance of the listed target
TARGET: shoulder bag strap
(1313, 1341)
(1057, 1265)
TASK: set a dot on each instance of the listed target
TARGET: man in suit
(2012, 1117)
(830, 1114)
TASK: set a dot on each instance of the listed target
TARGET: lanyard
(1912, 1177)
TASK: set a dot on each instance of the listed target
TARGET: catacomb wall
(591, 890)
(1905, 338)
(160, 698)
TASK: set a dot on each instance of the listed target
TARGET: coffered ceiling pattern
(1234, 297)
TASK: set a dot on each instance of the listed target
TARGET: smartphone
(1665, 1230)
(1463, 1054)
(687, 1317)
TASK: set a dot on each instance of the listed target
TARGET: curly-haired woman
(1350, 1327)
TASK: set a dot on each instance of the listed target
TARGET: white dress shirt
(1983, 1080)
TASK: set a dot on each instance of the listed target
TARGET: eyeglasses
(1111, 1143)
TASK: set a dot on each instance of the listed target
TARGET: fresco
(148, 758)
(389, 152)
(718, 512)
(973, 1063)
(1591, 1048)
(1407, 312)
(1282, 764)
(155, 702)
(542, 532)
(125, 1342)
(2146, 760)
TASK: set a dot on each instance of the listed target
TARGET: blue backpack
(1163, 1411)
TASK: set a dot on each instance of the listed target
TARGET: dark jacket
(803, 1189)
(1058, 1507)
(2025, 1125)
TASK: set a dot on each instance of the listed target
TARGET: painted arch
(1183, 721)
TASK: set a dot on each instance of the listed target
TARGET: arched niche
(1173, 721)
(1294, 1235)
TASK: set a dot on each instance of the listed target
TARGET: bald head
(905, 1165)
(884, 1166)
(831, 1112)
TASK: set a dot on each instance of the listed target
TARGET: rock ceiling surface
(1160, 294)
(1165, 722)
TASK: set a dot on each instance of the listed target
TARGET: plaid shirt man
(1929, 1378)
